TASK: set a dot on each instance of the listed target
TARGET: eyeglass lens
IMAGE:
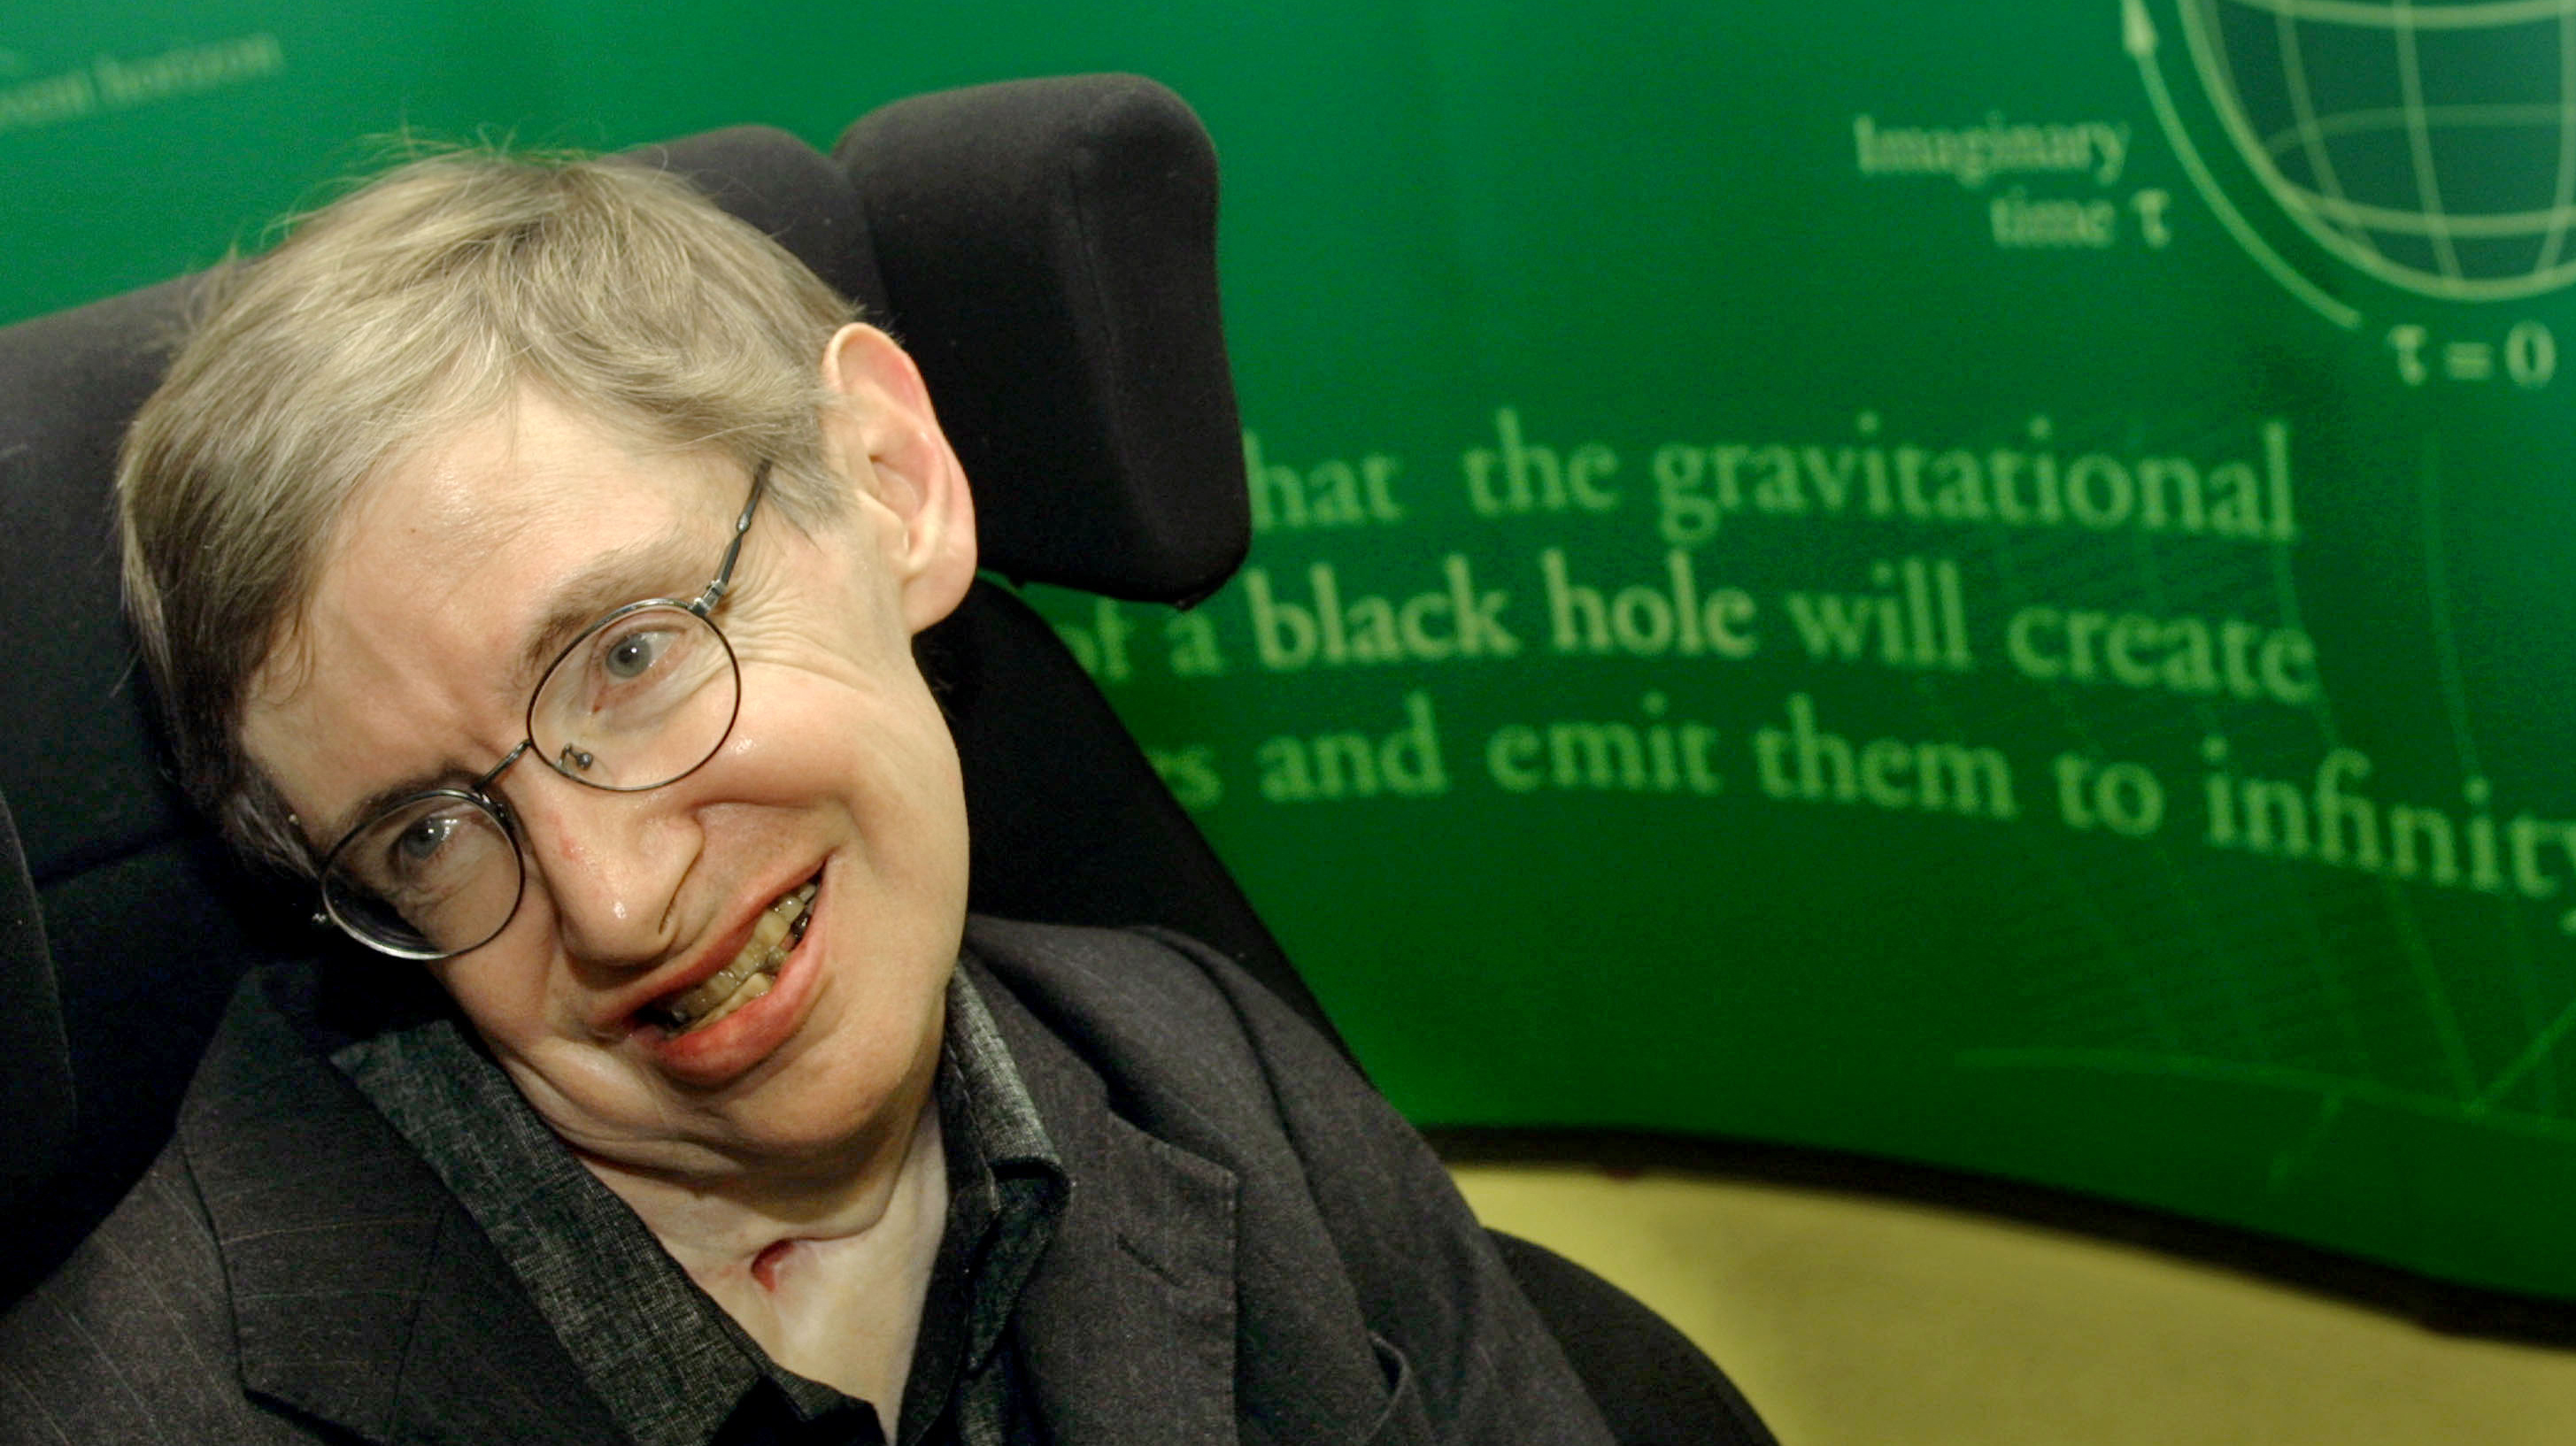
(434, 876)
(641, 699)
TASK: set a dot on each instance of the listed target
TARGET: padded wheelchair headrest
(36, 1088)
(1044, 248)
(1049, 253)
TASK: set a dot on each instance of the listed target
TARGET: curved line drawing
(2409, 930)
(2442, 17)
(2269, 1076)
(2335, 221)
(2140, 39)
(2356, 122)
(2310, 134)
(2455, 710)
(2506, 226)
(2566, 191)
(2419, 142)
(2498, 226)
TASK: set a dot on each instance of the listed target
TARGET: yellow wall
(1858, 1322)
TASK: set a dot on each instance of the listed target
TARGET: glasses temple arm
(715, 590)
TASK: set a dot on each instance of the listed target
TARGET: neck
(828, 1271)
(711, 1221)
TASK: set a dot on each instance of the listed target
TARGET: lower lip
(729, 1048)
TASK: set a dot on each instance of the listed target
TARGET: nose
(609, 864)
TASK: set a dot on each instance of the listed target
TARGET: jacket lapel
(1128, 1326)
(362, 1294)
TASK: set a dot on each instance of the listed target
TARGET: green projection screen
(1984, 584)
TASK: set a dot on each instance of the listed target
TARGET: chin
(849, 1084)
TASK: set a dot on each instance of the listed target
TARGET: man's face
(411, 663)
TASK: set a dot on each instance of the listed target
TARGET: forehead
(529, 465)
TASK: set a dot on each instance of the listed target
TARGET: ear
(886, 439)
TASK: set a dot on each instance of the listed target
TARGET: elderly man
(531, 555)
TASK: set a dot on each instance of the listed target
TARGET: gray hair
(410, 309)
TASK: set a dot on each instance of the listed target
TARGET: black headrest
(36, 1083)
(778, 183)
(78, 768)
(1049, 251)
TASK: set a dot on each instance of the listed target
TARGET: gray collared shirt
(672, 1367)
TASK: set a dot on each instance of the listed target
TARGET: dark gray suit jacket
(1256, 1249)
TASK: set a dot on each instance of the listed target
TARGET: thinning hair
(398, 315)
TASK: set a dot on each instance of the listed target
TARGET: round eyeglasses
(641, 699)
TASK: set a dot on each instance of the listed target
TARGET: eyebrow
(386, 797)
(610, 581)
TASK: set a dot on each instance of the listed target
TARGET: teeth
(752, 972)
(753, 988)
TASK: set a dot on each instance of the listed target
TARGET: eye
(415, 850)
(421, 857)
(632, 655)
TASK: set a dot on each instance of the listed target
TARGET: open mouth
(773, 937)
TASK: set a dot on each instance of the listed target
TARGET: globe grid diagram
(2430, 145)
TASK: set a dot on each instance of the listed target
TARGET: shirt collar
(1006, 1189)
(671, 1366)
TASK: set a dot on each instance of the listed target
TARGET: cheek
(874, 740)
(881, 762)
(507, 997)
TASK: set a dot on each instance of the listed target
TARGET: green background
(1647, 227)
